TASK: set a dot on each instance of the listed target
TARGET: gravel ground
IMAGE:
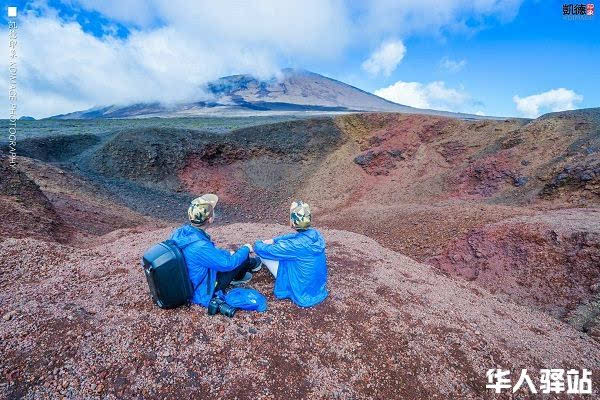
(79, 324)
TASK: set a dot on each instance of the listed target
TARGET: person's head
(202, 210)
(300, 216)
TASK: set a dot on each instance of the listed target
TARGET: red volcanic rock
(486, 176)
(548, 261)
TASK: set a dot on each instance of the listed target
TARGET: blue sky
(493, 57)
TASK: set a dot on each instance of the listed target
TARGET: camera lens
(227, 310)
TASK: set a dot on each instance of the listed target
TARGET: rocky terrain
(454, 246)
(392, 328)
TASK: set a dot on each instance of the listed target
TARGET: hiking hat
(202, 208)
(300, 215)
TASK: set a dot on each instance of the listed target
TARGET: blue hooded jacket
(204, 259)
(302, 274)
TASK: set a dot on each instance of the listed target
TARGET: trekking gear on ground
(246, 299)
(217, 305)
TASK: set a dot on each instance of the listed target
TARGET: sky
(490, 57)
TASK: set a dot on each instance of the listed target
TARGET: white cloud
(434, 95)
(385, 58)
(407, 93)
(553, 100)
(452, 65)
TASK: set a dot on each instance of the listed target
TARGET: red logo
(589, 9)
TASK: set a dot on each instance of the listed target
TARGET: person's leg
(225, 278)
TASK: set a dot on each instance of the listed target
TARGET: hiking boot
(245, 279)
(257, 265)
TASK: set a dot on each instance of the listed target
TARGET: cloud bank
(63, 68)
(435, 95)
(553, 100)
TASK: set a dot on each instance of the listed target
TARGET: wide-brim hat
(300, 215)
(202, 208)
(209, 198)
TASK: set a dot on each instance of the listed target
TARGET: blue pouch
(246, 299)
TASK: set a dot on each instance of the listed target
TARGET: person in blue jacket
(211, 269)
(297, 260)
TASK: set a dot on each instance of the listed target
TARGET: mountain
(297, 90)
(294, 91)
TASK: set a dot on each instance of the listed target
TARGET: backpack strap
(174, 244)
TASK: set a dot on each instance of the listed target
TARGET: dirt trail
(392, 328)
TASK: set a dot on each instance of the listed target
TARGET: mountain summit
(294, 90)
(297, 90)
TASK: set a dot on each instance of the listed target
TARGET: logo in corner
(578, 11)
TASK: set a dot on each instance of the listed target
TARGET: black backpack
(167, 275)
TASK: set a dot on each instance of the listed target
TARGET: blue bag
(246, 299)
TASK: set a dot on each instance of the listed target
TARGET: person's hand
(249, 246)
(268, 241)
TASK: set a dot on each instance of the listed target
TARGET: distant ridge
(295, 91)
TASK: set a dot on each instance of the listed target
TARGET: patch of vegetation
(100, 127)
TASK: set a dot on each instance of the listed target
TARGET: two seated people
(296, 260)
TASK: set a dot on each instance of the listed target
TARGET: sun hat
(202, 208)
(300, 215)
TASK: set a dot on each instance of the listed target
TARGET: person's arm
(218, 259)
(282, 249)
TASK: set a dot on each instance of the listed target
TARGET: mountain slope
(293, 91)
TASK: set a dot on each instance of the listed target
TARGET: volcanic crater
(454, 246)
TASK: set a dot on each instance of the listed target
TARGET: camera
(216, 305)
